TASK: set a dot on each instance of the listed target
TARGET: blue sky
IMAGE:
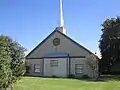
(30, 21)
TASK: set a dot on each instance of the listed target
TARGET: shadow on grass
(110, 77)
(102, 78)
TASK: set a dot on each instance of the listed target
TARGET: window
(79, 68)
(37, 68)
(54, 63)
(56, 42)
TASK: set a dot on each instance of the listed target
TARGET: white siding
(74, 61)
(66, 46)
(60, 71)
(31, 63)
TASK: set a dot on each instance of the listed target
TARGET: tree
(92, 62)
(5, 59)
(18, 58)
(110, 43)
(11, 61)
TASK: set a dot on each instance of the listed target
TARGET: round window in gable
(56, 42)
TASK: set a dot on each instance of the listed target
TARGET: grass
(36, 83)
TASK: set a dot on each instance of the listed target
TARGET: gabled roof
(64, 36)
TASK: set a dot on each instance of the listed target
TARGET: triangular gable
(75, 42)
(64, 36)
(41, 43)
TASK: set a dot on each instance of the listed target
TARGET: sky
(31, 21)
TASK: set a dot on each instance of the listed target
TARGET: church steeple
(61, 19)
(61, 14)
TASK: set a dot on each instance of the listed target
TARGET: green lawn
(36, 83)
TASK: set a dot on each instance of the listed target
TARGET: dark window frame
(56, 41)
(79, 68)
(53, 63)
(37, 68)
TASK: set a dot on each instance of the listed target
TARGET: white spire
(61, 14)
(61, 20)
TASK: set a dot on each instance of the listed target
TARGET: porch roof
(56, 54)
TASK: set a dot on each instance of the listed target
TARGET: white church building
(58, 55)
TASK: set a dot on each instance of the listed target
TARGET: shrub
(85, 76)
(27, 67)
(53, 76)
(71, 76)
